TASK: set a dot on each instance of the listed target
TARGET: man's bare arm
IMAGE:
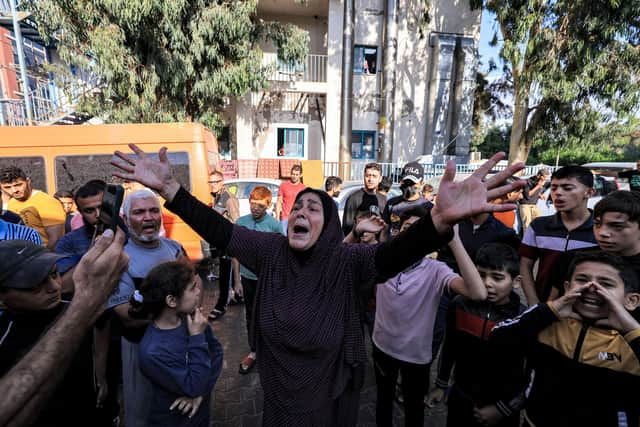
(54, 233)
(528, 284)
(28, 385)
(278, 207)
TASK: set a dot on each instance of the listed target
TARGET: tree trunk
(519, 145)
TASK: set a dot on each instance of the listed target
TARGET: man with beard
(411, 186)
(364, 198)
(146, 249)
(333, 186)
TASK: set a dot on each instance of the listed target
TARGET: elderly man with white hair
(146, 249)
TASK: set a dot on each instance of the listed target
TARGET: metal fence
(355, 170)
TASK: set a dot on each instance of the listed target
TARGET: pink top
(406, 307)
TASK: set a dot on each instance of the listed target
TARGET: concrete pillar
(467, 65)
(443, 50)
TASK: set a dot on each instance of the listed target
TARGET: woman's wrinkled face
(305, 222)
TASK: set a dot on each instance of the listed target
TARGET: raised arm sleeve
(248, 246)
(522, 331)
(408, 247)
(209, 224)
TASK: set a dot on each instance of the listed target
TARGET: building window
(363, 144)
(365, 59)
(290, 142)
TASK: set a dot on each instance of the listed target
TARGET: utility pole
(346, 104)
(388, 89)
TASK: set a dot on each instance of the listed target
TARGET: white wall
(315, 26)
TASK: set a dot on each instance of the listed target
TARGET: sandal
(246, 365)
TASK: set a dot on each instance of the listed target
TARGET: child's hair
(297, 167)
(169, 278)
(61, 194)
(419, 211)
(262, 193)
(580, 173)
(427, 188)
(626, 202)
(499, 256)
(627, 273)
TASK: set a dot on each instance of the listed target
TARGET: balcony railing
(50, 101)
(312, 69)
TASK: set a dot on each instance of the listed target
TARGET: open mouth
(595, 302)
(300, 229)
(149, 227)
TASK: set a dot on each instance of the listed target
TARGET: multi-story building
(416, 99)
(43, 98)
(412, 74)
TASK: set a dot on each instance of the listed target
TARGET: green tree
(488, 103)
(492, 140)
(615, 142)
(573, 64)
(165, 60)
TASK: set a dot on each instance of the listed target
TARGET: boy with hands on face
(583, 348)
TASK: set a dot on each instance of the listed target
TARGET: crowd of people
(98, 326)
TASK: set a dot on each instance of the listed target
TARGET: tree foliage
(166, 60)
(573, 65)
(492, 139)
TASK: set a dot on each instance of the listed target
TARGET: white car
(242, 188)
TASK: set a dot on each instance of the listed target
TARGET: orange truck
(66, 157)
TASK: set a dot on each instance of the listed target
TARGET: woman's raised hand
(473, 196)
(155, 174)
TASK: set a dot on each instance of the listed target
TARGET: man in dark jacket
(364, 198)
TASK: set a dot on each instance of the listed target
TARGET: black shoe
(216, 314)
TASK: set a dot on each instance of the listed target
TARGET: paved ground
(237, 400)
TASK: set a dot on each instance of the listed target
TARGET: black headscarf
(331, 234)
(306, 317)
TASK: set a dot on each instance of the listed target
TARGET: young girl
(178, 352)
